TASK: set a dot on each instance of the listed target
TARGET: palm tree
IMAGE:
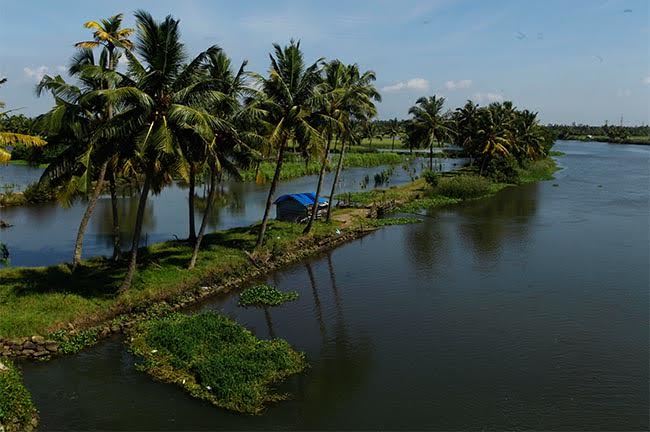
(333, 95)
(10, 138)
(227, 142)
(290, 101)
(164, 100)
(529, 139)
(369, 131)
(494, 133)
(393, 130)
(110, 36)
(429, 124)
(357, 108)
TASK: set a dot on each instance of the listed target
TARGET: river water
(44, 234)
(528, 310)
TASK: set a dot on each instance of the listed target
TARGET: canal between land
(527, 310)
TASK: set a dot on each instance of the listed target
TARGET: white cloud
(623, 93)
(488, 97)
(61, 68)
(646, 80)
(457, 85)
(37, 73)
(412, 84)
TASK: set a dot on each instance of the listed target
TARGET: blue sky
(582, 61)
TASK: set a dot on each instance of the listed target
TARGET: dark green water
(529, 310)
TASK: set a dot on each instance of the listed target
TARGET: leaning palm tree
(163, 102)
(394, 131)
(227, 145)
(357, 109)
(290, 102)
(429, 124)
(10, 138)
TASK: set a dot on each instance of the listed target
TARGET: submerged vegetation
(265, 295)
(17, 411)
(216, 359)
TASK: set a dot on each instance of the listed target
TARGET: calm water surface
(44, 234)
(524, 311)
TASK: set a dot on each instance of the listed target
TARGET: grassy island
(216, 359)
(17, 412)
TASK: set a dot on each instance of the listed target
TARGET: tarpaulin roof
(305, 199)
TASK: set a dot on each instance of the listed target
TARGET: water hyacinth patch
(216, 359)
(265, 295)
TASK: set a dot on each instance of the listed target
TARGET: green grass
(16, 407)
(40, 300)
(463, 187)
(265, 295)
(216, 359)
(294, 169)
(21, 162)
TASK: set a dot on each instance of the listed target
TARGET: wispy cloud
(646, 80)
(412, 84)
(457, 85)
(36, 73)
(623, 93)
(488, 97)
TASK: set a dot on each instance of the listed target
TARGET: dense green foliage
(265, 295)
(16, 407)
(607, 133)
(216, 359)
(463, 187)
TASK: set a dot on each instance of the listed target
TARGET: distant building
(298, 207)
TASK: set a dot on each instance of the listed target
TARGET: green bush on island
(463, 187)
(17, 411)
(431, 177)
(265, 295)
(216, 359)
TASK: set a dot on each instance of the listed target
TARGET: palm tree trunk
(135, 244)
(76, 257)
(269, 199)
(192, 230)
(117, 243)
(392, 145)
(204, 221)
(314, 211)
(339, 166)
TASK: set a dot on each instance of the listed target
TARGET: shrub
(16, 407)
(463, 187)
(503, 170)
(38, 193)
(431, 177)
(216, 359)
(265, 295)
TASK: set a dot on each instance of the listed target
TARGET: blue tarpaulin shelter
(297, 207)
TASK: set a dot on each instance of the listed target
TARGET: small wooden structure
(298, 207)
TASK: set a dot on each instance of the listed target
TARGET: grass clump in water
(17, 411)
(265, 295)
(216, 359)
(463, 187)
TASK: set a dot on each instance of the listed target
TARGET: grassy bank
(643, 140)
(17, 412)
(295, 169)
(216, 359)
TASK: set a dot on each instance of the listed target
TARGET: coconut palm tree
(164, 102)
(227, 144)
(333, 97)
(357, 108)
(429, 124)
(369, 131)
(394, 131)
(10, 138)
(290, 100)
(494, 133)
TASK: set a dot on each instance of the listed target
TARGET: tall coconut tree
(333, 96)
(393, 130)
(110, 36)
(290, 100)
(429, 124)
(494, 134)
(357, 108)
(227, 145)
(164, 101)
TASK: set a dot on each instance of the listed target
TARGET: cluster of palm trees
(167, 116)
(488, 133)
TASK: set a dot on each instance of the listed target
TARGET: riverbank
(17, 411)
(640, 140)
